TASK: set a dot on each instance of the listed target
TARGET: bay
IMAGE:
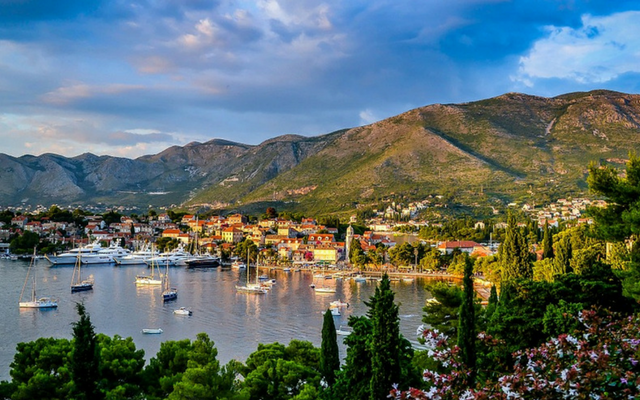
(236, 322)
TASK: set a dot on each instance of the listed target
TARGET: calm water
(236, 322)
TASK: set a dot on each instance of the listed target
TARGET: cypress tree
(562, 261)
(388, 348)
(492, 303)
(547, 242)
(84, 365)
(515, 261)
(467, 324)
(353, 380)
(329, 354)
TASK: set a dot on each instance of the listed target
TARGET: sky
(129, 78)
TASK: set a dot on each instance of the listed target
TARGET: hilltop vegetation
(484, 153)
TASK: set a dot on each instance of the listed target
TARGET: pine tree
(547, 243)
(84, 366)
(329, 354)
(515, 260)
(467, 324)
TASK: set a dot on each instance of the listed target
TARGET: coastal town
(281, 241)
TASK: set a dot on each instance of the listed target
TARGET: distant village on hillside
(304, 241)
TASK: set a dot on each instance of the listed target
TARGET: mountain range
(478, 154)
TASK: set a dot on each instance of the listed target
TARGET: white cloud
(598, 51)
(367, 117)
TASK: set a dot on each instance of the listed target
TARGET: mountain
(484, 153)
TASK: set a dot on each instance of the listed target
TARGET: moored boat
(182, 311)
(151, 331)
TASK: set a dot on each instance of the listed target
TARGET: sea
(236, 322)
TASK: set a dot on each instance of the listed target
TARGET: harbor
(117, 306)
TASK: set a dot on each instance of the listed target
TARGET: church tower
(348, 240)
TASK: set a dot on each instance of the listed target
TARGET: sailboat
(77, 283)
(35, 302)
(169, 293)
(149, 279)
(255, 288)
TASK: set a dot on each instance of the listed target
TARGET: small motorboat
(150, 331)
(182, 311)
(343, 331)
(338, 303)
(335, 312)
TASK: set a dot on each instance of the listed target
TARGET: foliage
(203, 378)
(278, 372)
(24, 243)
(442, 313)
(329, 355)
(598, 362)
(121, 367)
(354, 377)
(40, 370)
(547, 242)
(356, 254)
(515, 259)
(467, 323)
(391, 353)
(85, 358)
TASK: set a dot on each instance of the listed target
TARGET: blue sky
(128, 78)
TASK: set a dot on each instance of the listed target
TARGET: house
(320, 238)
(19, 220)
(236, 219)
(466, 246)
(171, 233)
(232, 235)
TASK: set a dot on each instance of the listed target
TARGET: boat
(255, 288)
(182, 311)
(105, 255)
(359, 279)
(343, 331)
(71, 256)
(35, 302)
(77, 283)
(207, 261)
(137, 257)
(338, 303)
(151, 331)
(169, 293)
(238, 265)
(173, 257)
(335, 312)
(150, 279)
(324, 290)
(407, 280)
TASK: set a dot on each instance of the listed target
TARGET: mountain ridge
(512, 146)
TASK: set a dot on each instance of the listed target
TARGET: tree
(329, 353)
(85, 359)
(441, 313)
(391, 353)
(276, 372)
(166, 368)
(356, 254)
(271, 212)
(547, 242)
(121, 367)
(204, 379)
(353, 381)
(467, 325)
(515, 260)
(40, 370)
(562, 260)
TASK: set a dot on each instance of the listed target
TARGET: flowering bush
(599, 361)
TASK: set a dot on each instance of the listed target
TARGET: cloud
(598, 51)
(129, 138)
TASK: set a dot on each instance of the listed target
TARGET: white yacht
(173, 257)
(71, 256)
(105, 255)
(138, 257)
